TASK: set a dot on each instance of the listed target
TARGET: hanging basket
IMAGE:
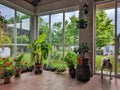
(82, 24)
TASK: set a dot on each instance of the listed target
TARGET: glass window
(57, 28)
(23, 28)
(6, 31)
(44, 25)
(71, 31)
(105, 33)
(7, 35)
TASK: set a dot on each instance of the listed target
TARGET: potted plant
(82, 50)
(18, 63)
(70, 59)
(82, 23)
(83, 68)
(6, 69)
(40, 50)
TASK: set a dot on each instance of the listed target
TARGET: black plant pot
(72, 72)
(83, 72)
(31, 68)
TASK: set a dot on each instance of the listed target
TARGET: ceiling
(33, 2)
(41, 7)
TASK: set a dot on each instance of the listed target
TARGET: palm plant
(40, 50)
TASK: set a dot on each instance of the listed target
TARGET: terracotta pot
(82, 61)
(7, 80)
(18, 72)
(38, 69)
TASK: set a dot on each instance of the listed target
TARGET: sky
(59, 17)
(6, 12)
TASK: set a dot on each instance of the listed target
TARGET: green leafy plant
(82, 49)
(70, 59)
(19, 60)
(6, 67)
(40, 49)
(57, 65)
(61, 68)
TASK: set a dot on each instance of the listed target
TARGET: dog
(106, 65)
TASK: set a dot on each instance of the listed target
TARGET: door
(105, 34)
(117, 44)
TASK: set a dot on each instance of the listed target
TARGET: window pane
(71, 31)
(57, 28)
(105, 25)
(6, 31)
(23, 28)
(44, 25)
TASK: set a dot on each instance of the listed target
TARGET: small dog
(106, 65)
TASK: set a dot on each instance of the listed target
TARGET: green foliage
(6, 67)
(26, 61)
(23, 39)
(104, 29)
(40, 49)
(4, 39)
(71, 59)
(19, 60)
(83, 21)
(71, 31)
(82, 49)
(56, 55)
(18, 18)
(44, 26)
(57, 65)
(56, 33)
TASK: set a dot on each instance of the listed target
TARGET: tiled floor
(52, 81)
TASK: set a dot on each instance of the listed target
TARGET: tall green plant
(40, 49)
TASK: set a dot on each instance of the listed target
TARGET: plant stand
(83, 72)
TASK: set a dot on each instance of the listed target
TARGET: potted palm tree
(40, 50)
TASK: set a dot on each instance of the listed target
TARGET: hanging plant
(83, 9)
(82, 24)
